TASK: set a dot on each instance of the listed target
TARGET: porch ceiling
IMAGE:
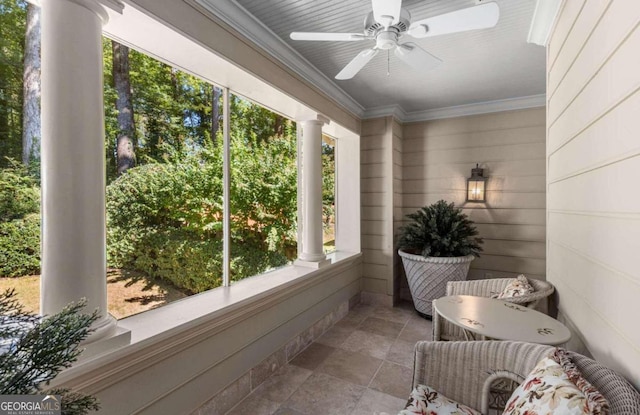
(479, 66)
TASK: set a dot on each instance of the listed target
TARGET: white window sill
(168, 326)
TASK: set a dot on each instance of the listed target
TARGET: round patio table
(495, 319)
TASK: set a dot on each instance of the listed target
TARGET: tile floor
(361, 366)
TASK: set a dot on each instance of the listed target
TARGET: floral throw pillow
(548, 390)
(517, 288)
(427, 401)
(596, 402)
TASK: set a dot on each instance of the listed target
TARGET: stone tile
(283, 383)
(377, 299)
(416, 331)
(228, 397)
(324, 394)
(401, 352)
(350, 322)
(359, 313)
(288, 411)
(399, 315)
(343, 310)
(312, 356)
(368, 343)
(378, 403)
(393, 380)
(354, 301)
(350, 366)
(335, 336)
(268, 367)
(255, 406)
(292, 348)
(382, 327)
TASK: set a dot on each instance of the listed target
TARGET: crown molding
(395, 111)
(247, 25)
(487, 107)
(509, 104)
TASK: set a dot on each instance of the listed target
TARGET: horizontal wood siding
(377, 198)
(593, 155)
(437, 160)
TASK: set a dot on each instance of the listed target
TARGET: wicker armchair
(468, 371)
(443, 330)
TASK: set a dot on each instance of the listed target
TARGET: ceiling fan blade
(416, 57)
(343, 37)
(477, 17)
(386, 12)
(357, 64)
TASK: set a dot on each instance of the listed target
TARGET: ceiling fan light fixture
(386, 40)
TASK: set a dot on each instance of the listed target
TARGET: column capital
(317, 119)
(96, 6)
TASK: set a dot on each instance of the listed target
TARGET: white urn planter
(428, 276)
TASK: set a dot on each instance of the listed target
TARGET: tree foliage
(34, 350)
(12, 29)
(19, 221)
(165, 214)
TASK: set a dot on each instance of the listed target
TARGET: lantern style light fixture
(476, 185)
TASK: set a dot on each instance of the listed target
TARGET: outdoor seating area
(340, 207)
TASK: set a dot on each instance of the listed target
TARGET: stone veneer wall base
(235, 392)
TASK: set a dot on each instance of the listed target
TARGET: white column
(312, 253)
(73, 160)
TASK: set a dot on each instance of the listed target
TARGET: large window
(328, 193)
(171, 186)
(164, 140)
(263, 196)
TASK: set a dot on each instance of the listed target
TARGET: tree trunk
(125, 154)
(278, 128)
(31, 87)
(215, 114)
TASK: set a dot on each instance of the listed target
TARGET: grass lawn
(127, 294)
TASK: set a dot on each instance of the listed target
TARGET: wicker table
(482, 317)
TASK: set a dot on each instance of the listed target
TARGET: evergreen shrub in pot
(436, 247)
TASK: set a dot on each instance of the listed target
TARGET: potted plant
(436, 247)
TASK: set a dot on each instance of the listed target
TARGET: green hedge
(165, 220)
(19, 222)
(20, 246)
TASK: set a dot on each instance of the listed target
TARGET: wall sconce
(476, 185)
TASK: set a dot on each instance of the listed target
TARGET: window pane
(164, 211)
(328, 194)
(263, 189)
(19, 159)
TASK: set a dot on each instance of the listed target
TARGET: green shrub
(20, 246)
(180, 256)
(165, 220)
(19, 193)
(19, 222)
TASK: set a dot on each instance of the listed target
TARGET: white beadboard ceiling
(479, 66)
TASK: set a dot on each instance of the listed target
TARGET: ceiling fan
(389, 23)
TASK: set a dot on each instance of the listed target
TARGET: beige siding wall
(405, 167)
(437, 159)
(593, 153)
(380, 146)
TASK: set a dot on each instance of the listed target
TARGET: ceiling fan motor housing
(372, 27)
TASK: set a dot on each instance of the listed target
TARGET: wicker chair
(443, 330)
(469, 371)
